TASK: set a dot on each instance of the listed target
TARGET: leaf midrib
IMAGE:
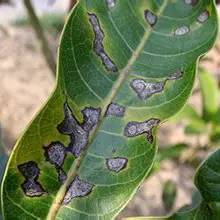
(123, 74)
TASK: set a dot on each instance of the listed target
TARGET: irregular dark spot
(79, 140)
(91, 118)
(150, 137)
(115, 110)
(69, 124)
(191, 2)
(61, 175)
(110, 3)
(98, 44)
(78, 188)
(32, 188)
(145, 90)
(133, 129)
(177, 75)
(182, 30)
(29, 170)
(78, 132)
(116, 164)
(203, 17)
(150, 17)
(55, 153)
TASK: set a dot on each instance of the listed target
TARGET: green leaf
(167, 153)
(196, 127)
(121, 70)
(210, 95)
(169, 195)
(187, 113)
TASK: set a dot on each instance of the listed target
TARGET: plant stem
(41, 36)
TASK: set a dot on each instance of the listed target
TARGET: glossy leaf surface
(124, 67)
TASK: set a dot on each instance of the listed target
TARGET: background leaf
(124, 66)
(210, 95)
(206, 206)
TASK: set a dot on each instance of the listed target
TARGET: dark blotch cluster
(78, 188)
(31, 186)
(79, 133)
(98, 44)
(55, 153)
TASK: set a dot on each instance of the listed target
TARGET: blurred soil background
(26, 81)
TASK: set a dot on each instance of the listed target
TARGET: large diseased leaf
(124, 67)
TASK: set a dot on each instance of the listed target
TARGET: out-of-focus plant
(204, 121)
(52, 22)
(169, 195)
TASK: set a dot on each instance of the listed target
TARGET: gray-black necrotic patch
(78, 142)
(29, 170)
(180, 31)
(145, 90)
(150, 17)
(111, 3)
(115, 110)
(133, 128)
(78, 132)
(31, 186)
(91, 118)
(70, 123)
(98, 44)
(116, 164)
(203, 17)
(55, 153)
(78, 188)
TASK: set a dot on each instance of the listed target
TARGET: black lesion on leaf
(111, 3)
(55, 153)
(70, 123)
(78, 132)
(78, 188)
(150, 17)
(116, 164)
(134, 128)
(116, 110)
(91, 118)
(31, 186)
(98, 44)
(203, 17)
(29, 170)
(180, 31)
(145, 89)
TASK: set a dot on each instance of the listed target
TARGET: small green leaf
(210, 95)
(169, 195)
(124, 67)
(196, 127)
(188, 113)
